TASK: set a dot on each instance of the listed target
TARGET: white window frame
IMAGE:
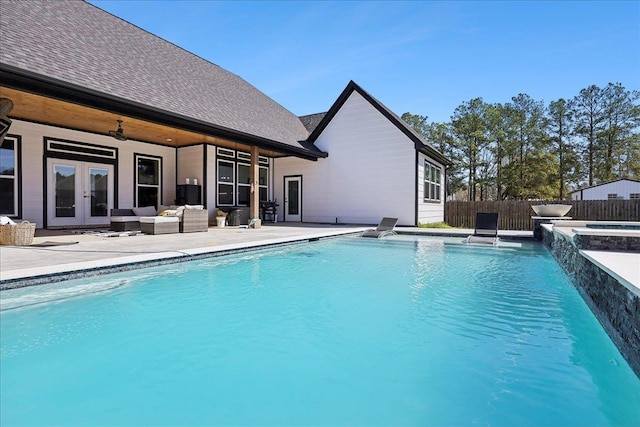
(432, 188)
(15, 176)
(634, 196)
(242, 184)
(237, 158)
(231, 183)
(158, 186)
(265, 186)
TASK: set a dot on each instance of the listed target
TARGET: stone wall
(607, 243)
(616, 307)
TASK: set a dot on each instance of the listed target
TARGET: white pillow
(145, 211)
(196, 207)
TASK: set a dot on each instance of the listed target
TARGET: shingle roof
(78, 43)
(311, 121)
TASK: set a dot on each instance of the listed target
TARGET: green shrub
(435, 225)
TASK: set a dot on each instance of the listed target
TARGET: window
(612, 196)
(263, 183)
(9, 153)
(432, 186)
(225, 182)
(148, 179)
(234, 178)
(244, 184)
(634, 196)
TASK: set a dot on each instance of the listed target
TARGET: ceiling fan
(119, 133)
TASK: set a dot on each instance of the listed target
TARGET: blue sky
(422, 57)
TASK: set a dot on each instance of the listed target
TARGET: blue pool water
(400, 331)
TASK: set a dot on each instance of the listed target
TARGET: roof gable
(76, 43)
(419, 142)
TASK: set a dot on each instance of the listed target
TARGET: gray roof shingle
(76, 42)
(311, 121)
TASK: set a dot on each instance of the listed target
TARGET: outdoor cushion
(124, 218)
(157, 219)
(145, 211)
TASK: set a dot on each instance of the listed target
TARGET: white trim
(225, 152)
(78, 148)
(231, 183)
(137, 157)
(15, 175)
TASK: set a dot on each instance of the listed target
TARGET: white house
(106, 115)
(621, 189)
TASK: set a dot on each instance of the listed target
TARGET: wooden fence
(516, 214)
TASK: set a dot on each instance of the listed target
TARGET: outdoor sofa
(167, 219)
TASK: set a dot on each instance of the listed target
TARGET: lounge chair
(385, 227)
(486, 229)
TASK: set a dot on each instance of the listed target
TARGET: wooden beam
(255, 181)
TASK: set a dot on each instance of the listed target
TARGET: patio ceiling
(45, 110)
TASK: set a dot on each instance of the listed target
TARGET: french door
(293, 198)
(78, 193)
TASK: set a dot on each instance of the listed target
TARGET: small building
(106, 115)
(620, 189)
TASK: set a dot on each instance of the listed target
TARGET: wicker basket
(17, 235)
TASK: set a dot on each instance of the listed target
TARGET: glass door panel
(293, 199)
(65, 191)
(99, 183)
(78, 193)
(292, 190)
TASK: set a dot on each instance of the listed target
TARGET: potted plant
(221, 218)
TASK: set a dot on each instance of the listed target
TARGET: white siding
(190, 164)
(370, 172)
(622, 188)
(32, 173)
(429, 212)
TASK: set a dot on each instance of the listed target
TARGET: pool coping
(51, 274)
(48, 272)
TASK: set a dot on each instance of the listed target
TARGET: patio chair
(486, 230)
(385, 228)
(194, 220)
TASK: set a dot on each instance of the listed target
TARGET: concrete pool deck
(63, 252)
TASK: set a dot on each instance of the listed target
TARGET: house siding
(369, 174)
(429, 212)
(32, 171)
(622, 188)
(190, 164)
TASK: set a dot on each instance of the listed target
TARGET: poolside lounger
(385, 227)
(486, 229)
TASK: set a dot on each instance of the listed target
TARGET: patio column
(254, 202)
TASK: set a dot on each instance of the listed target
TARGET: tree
(417, 122)
(496, 118)
(588, 110)
(560, 125)
(469, 130)
(522, 150)
(620, 118)
(528, 165)
(439, 136)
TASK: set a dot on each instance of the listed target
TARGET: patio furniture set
(164, 220)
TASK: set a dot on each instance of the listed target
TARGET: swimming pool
(401, 331)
